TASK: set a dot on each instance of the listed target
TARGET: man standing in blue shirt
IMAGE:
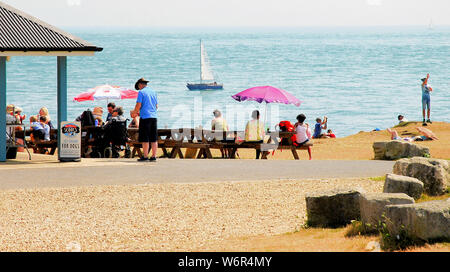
(147, 106)
(426, 99)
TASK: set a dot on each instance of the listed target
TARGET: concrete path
(126, 171)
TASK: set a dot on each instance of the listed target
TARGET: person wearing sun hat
(146, 107)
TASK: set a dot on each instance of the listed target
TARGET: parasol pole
(265, 118)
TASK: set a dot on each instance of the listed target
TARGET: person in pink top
(303, 132)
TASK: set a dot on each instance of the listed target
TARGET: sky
(236, 13)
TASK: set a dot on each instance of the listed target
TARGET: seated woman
(117, 115)
(44, 112)
(303, 132)
(254, 131)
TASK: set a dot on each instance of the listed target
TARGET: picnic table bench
(277, 140)
(39, 144)
(174, 139)
(205, 140)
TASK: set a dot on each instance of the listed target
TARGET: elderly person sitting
(254, 131)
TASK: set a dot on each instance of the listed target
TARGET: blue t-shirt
(147, 98)
(317, 130)
(425, 91)
(47, 132)
(36, 126)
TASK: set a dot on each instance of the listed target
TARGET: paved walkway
(126, 171)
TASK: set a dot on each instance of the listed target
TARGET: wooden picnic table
(172, 141)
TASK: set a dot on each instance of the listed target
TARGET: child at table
(37, 130)
(46, 127)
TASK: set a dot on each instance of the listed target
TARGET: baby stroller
(112, 140)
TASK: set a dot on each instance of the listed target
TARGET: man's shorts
(148, 130)
(426, 101)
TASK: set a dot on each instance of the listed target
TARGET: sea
(361, 78)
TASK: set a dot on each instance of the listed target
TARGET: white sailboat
(431, 25)
(207, 80)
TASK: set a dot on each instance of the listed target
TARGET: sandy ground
(156, 217)
(185, 217)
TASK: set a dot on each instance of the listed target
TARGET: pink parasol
(106, 92)
(267, 94)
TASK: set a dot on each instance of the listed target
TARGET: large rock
(426, 221)
(332, 208)
(394, 150)
(403, 184)
(373, 206)
(434, 173)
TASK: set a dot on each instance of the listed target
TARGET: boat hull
(204, 86)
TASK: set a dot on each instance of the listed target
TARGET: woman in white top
(303, 133)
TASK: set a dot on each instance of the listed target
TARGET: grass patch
(382, 178)
(426, 197)
(357, 228)
(404, 124)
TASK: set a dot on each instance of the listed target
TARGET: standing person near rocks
(146, 107)
(426, 99)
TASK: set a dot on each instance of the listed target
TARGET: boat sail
(207, 80)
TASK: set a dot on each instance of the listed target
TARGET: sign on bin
(70, 143)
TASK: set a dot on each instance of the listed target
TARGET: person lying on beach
(319, 126)
(427, 137)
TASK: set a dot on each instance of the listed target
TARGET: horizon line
(252, 27)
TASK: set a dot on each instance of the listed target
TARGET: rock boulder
(434, 173)
(394, 150)
(403, 184)
(426, 221)
(373, 206)
(332, 208)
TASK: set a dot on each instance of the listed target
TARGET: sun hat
(141, 80)
(10, 108)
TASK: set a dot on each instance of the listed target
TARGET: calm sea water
(361, 78)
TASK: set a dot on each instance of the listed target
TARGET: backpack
(87, 118)
(287, 126)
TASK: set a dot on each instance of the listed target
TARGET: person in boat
(220, 124)
(254, 131)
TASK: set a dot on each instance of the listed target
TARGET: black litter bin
(11, 153)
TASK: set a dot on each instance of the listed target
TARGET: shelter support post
(2, 109)
(61, 95)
